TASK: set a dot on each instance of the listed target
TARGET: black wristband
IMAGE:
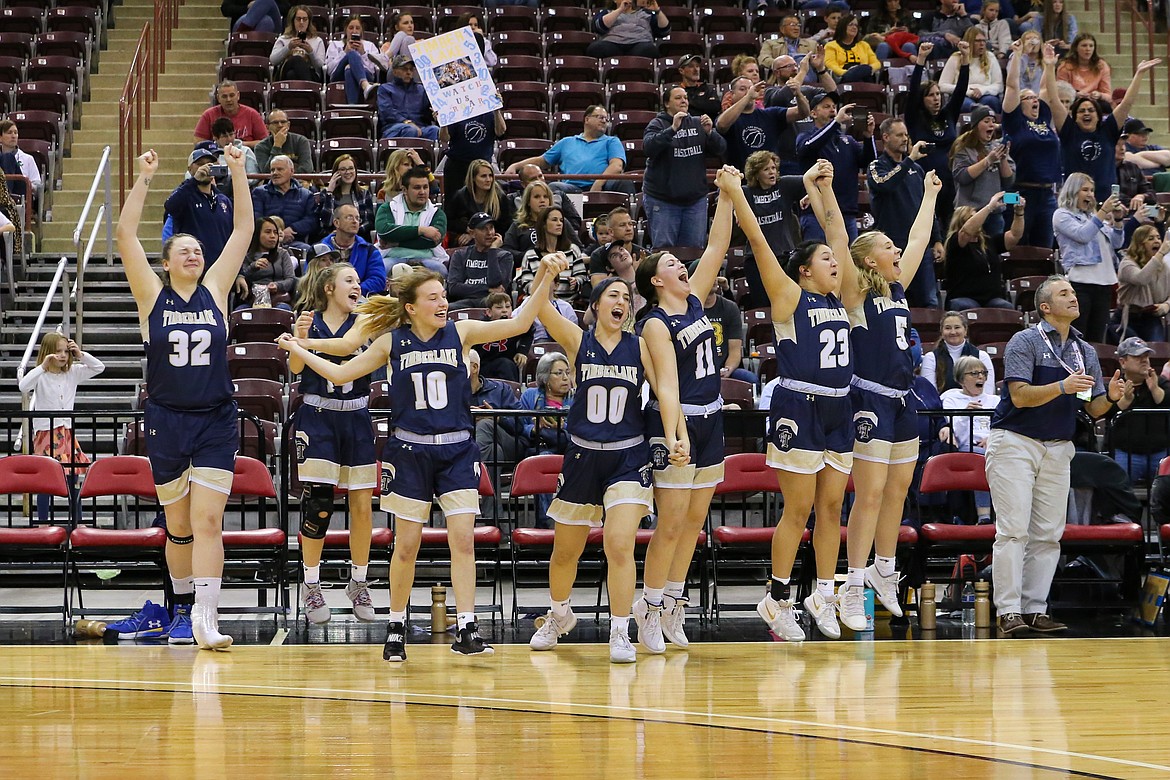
(821, 72)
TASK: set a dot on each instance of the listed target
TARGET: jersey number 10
(430, 391)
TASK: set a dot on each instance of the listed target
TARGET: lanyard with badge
(1084, 395)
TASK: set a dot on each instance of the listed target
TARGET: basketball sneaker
(621, 650)
(673, 621)
(313, 602)
(470, 642)
(851, 604)
(781, 618)
(886, 589)
(180, 631)
(359, 595)
(205, 628)
(395, 648)
(649, 620)
(825, 614)
(150, 622)
(549, 629)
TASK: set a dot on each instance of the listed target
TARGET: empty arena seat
(40, 546)
(19, 45)
(261, 397)
(259, 324)
(524, 40)
(558, 18)
(257, 359)
(512, 18)
(292, 94)
(635, 97)
(524, 95)
(577, 95)
(988, 325)
(567, 43)
(29, 21)
(361, 149)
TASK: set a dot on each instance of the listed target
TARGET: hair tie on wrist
(1060, 384)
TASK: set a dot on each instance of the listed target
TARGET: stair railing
(105, 215)
(60, 281)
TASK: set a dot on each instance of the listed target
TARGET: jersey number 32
(190, 349)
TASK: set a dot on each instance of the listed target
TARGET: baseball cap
(820, 95)
(204, 150)
(687, 59)
(321, 250)
(1135, 127)
(1133, 347)
(400, 270)
(401, 61)
(481, 219)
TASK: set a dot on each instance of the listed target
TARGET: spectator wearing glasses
(788, 42)
(353, 249)
(299, 53)
(1139, 441)
(344, 189)
(281, 140)
(969, 433)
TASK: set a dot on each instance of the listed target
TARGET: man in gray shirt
(280, 141)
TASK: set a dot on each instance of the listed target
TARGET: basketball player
(885, 450)
(809, 423)
(675, 325)
(334, 444)
(190, 417)
(606, 469)
(432, 450)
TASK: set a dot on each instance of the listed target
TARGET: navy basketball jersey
(314, 383)
(881, 339)
(430, 391)
(813, 346)
(186, 351)
(694, 351)
(607, 403)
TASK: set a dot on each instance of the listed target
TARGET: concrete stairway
(1133, 38)
(183, 94)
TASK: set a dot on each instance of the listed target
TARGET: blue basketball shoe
(180, 632)
(150, 622)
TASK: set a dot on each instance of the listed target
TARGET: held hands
(680, 450)
(555, 263)
(728, 179)
(821, 173)
(288, 343)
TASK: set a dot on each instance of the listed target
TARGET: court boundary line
(681, 717)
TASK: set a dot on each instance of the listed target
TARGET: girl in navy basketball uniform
(885, 450)
(190, 417)
(682, 343)
(810, 438)
(334, 440)
(606, 470)
(432, 450)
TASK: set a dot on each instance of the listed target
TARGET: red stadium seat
(244, 68)
(577, 95)
(524, 40)
(519, 67)
(348, 123)
(251, 44)
(260, 546)
(516, 149)
(361, 149)
(630, 125)
(626, 69)
(558, 18)
(573, 69)
(987, 325)
(524, 95)
(680, 43)
(526, 124)
(511, 18)
(30, 21)
(261, 359)
(567, 43)
(425, 149)
(262, 324)
(304, 95)
(635, 97)
(17, 44)
(729, 43)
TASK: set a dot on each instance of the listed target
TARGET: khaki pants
(1029, 481)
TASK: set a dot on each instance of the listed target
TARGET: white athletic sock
(207, 591)
(620, 623)
(463, 618)
(825, 588)
(313, 575)
(855, 578)
(653, 596)
(674, 589)
(397, 617)
(560, 608)
(885, 566)
(182, 586)
(358, 573)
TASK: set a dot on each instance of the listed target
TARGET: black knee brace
(316, 509)
(179, 539)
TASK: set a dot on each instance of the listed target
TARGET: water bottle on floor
(968, 600)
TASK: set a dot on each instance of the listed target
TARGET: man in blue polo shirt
(592, 152)
(1050, 373)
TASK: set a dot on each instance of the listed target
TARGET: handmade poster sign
(455, 76)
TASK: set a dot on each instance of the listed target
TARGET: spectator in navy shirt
(828, 140)
(469, 140)
(929, 119)
(284, 197)
(749, 129)
(1050, 374)
(1089, 140)
(480, 268)
(774, 200)
(196, 207)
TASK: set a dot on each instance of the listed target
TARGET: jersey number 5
(834, 348)
(190, 349)
(430, 391)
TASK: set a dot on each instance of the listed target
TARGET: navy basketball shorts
(594, 481)
(885, 430)
(807, 432)
(705, 469)
(335, 448)
(188, 447)
(413, 474)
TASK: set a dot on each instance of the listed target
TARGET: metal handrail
(82, 262)
(102, 172)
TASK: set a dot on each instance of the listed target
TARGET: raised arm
(1011, 84)
(972, 227)
(144, 282)
(662, 370)
(1059, 112)
(565, 333)
(222, 274)
(823, 202)
(1121, 113)
(473, 332)
(718, 240)
(341, 346)
(339, 373)
(783, 293)
(922, 229)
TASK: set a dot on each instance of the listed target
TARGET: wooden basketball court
(849, 709)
